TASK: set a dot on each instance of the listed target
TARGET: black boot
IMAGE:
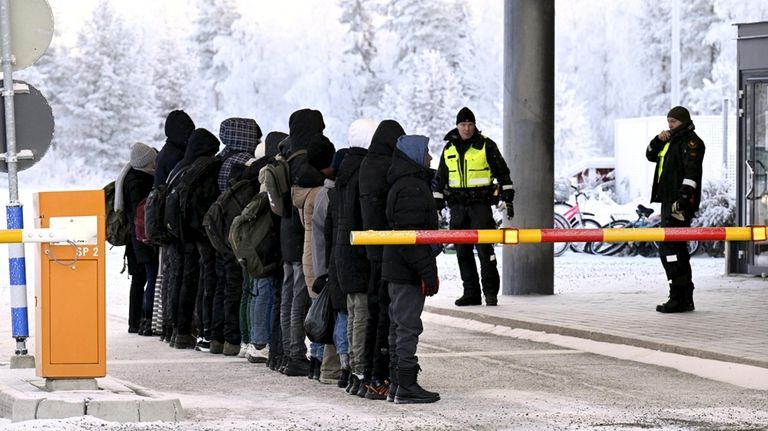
(676, 302)
(312, 365)
(344, 378)
(392, 384)
(409, 391)
(468, 300)
(689, 298)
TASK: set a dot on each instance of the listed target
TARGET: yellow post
(70, 304)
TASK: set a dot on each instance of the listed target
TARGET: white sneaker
(257, 356)
(243, 348)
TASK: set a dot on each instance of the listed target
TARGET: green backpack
(255, 238)
(218, 219)
(117, 224)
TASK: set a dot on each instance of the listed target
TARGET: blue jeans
(260, 309)
(340, 333)
(316, 350)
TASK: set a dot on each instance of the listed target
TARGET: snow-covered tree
(214, 20)
(110, 96)
(574, 138)
(173, 74)
(358, 69)
(425, 101)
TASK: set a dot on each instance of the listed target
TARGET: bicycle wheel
(584, 247)
(611, 248)
(560, 223)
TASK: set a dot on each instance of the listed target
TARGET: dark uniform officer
(678, 154)
(469, 164)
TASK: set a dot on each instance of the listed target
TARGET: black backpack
(154, 210)
(229, 205)
(118, 226)
(172, 213)
(197, 189)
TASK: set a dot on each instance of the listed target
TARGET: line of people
(217, 299)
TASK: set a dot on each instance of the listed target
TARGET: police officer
(465, 181)
(678, 154)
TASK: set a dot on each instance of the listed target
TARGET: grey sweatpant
(293, 310)
(357, 324)
(405, 328)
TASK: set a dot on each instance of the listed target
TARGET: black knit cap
(465, 115)
(320, 152)
(680, 114)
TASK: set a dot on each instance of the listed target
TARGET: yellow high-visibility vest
(471, 170)
(662, 153)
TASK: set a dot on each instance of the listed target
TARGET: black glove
(430, 289)
(685, 198)
(510, 209)
(440, 204)
(507, 195)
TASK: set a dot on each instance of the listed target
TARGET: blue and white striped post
(14, 213)
(18, 275)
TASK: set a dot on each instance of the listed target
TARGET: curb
(596, 336)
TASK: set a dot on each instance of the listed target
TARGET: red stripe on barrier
(571, 235)
(446, 237)
(702, 234)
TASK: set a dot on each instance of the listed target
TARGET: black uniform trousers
(674, 255)
(475, 215)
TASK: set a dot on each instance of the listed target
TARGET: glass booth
(752, 170)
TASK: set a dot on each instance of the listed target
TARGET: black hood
(201, 143)
(178, 127)
(271, 142)
(385, 137)
(402, 166)
(303, 125)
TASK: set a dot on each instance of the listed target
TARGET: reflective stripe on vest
(471, 170)
(661, 161)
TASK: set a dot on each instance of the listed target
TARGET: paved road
(486, 382)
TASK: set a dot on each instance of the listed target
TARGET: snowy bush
(717, 208)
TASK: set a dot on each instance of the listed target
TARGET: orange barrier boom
(520, 236)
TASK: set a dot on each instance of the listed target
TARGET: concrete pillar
(529, 113)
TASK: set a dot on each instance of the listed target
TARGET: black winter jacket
(352, 264)
(338, 297)
(682, 162)
(292, 237)
(496, 163)
(136, 186)
(373, 185)
(409, 207)
(178, 127)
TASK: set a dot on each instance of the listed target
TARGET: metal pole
(725, 138)
(675, 99)
(529, 140)
(14, 210)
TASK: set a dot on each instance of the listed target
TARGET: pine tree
(574, 140)
(110, 97)
(425, 101)
(215, 19)
(173, 76)
(359, 74)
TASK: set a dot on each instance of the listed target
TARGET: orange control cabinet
(70, 304)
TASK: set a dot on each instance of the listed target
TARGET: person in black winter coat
(196, 252)
(468, 167)
(411, 270)
(373, 201)
(142, 258)
(352, 265)
(178, 127)
(678, 154)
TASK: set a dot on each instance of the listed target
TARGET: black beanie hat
(320, 152)
(680, 114)
(465, 115)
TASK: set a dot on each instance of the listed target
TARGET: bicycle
(647, 249)
(578, 219)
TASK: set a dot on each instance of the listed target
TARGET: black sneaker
(297, 367)
(185, 341)
(203, 345)
(343, 379)
(378, 390)
(354, 385)
(491, 300)
(468, 300)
